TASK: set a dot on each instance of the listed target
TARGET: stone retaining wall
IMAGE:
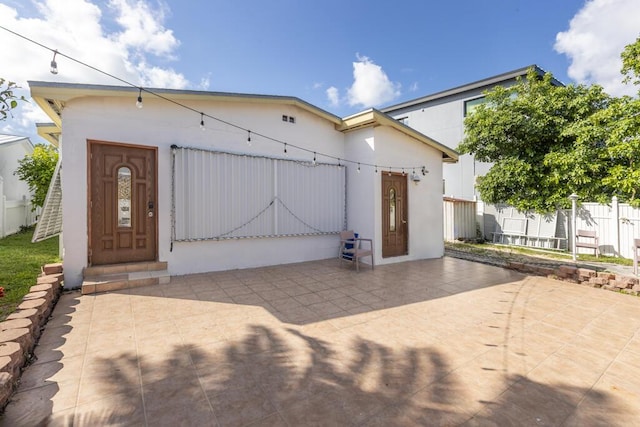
(21, 330)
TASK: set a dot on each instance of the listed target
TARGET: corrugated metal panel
(459, 219)
(50, 223)
(221, 195)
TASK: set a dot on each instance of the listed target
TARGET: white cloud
(334, 96)
(596, 36)
(124, 42)
(78, 28)
(205, 82)
(371, 85)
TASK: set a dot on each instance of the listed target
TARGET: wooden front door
(122, 203)
(395, 225)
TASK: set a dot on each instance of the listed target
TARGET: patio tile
(428, 342)
(111, 410)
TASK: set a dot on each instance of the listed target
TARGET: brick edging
(568, 273)
(584, 276)
(21, 329)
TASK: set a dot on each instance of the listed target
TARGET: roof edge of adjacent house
(487, 82)
(374, 117)
(9, 139)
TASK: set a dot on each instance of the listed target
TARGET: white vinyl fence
(14, 213)
(616, 225)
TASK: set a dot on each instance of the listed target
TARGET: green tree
(618, 127)
(8, 100)
(529, 132)
(36, 169)
(631, 62)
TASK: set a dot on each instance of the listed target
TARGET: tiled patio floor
(435, 342)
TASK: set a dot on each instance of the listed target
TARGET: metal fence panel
(220, 195)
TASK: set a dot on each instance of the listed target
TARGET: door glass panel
(124, 197)
(392, 210)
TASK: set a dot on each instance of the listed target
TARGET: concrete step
(105, 278)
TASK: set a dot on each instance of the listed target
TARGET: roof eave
(45, 92)
(373, 117)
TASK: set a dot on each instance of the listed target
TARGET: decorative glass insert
(392, 209)
(124, 197)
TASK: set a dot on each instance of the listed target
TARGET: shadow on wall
(286, 376)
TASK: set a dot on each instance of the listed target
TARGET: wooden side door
(395, 224)
(122, 203)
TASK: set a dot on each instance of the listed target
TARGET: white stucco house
(207, 181)
(15, 205)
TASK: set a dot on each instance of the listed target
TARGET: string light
(285, 148)
(202, 121)
(314, 158)
(54, 64)
(402, 171)
(139, 101)
(54, 70)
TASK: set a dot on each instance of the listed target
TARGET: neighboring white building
(147, 184)
(15, 206)
(441, 116)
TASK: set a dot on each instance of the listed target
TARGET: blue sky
(343, 56)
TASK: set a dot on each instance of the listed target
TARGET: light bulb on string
(314, 158)
(54, 64)
(376, 170)
(402, 171)
(249, 138)
(139, 101)
(358, 167)
(202, 121)
(285, 148)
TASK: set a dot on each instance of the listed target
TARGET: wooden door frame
(405, 210)
(90, 143)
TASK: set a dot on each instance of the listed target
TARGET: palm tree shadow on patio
(284, 376)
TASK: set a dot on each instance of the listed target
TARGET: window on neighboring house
(472, 104)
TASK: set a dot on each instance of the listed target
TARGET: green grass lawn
(20, 262)
(527, 251)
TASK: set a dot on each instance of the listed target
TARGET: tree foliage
(526, 130)
(8, 100)
(548, 141)
(36, 169)
(631, 62)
